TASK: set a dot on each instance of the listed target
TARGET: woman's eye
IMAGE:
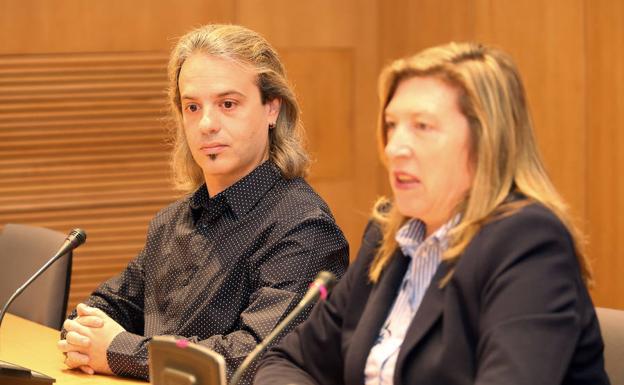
(389, 128)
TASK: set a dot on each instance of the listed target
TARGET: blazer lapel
(427, 314)
(377, 307)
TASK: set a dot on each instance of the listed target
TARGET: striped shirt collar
(412, 235)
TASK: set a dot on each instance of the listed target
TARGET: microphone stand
(16, 373)
(323, 283)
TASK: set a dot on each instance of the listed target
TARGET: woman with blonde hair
(473, 273)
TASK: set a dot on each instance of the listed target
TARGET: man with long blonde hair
(223, 265)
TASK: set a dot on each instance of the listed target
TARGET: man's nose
(209, 123)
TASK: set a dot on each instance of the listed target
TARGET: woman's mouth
(403, 180)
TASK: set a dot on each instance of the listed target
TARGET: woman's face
(428, 150)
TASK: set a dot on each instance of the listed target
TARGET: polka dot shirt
(222, 271)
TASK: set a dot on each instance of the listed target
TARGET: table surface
(33, 346)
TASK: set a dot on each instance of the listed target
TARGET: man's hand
(75, 342)
(88, 338)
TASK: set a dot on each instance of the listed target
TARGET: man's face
(225, 122)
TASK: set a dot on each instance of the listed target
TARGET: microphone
(75, 238)
(320, 287)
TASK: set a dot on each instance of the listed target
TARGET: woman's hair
(244, 46)
(502, 147)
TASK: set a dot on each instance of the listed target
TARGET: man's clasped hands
(87, 340)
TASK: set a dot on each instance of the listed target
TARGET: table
(33, 346)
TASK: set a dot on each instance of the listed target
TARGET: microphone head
(326, 279)
(77, 237)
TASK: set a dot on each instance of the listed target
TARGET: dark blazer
(515, 311)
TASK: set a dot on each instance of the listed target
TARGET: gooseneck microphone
(7, 371)
(320, 287)
(75, 238)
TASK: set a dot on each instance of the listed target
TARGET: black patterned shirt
(222, 271)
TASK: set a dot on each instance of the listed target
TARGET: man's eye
(228, 104)
(192, 107)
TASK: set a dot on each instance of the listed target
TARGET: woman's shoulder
(372, 233)
(530, 235)
(528, 220)
(371, 241)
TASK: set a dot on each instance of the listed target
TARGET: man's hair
(502, 147)
(244, 46)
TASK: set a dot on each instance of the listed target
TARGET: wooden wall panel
(288, 24)
(323, 81)
(368, 173)
(82, 144)
(605, 137)
(330, 52)
(546, 40)
(407, 26)
(38, 26)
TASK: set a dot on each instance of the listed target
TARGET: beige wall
(82, 143)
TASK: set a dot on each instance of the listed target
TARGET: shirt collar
(412, 234)
(242, 196)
